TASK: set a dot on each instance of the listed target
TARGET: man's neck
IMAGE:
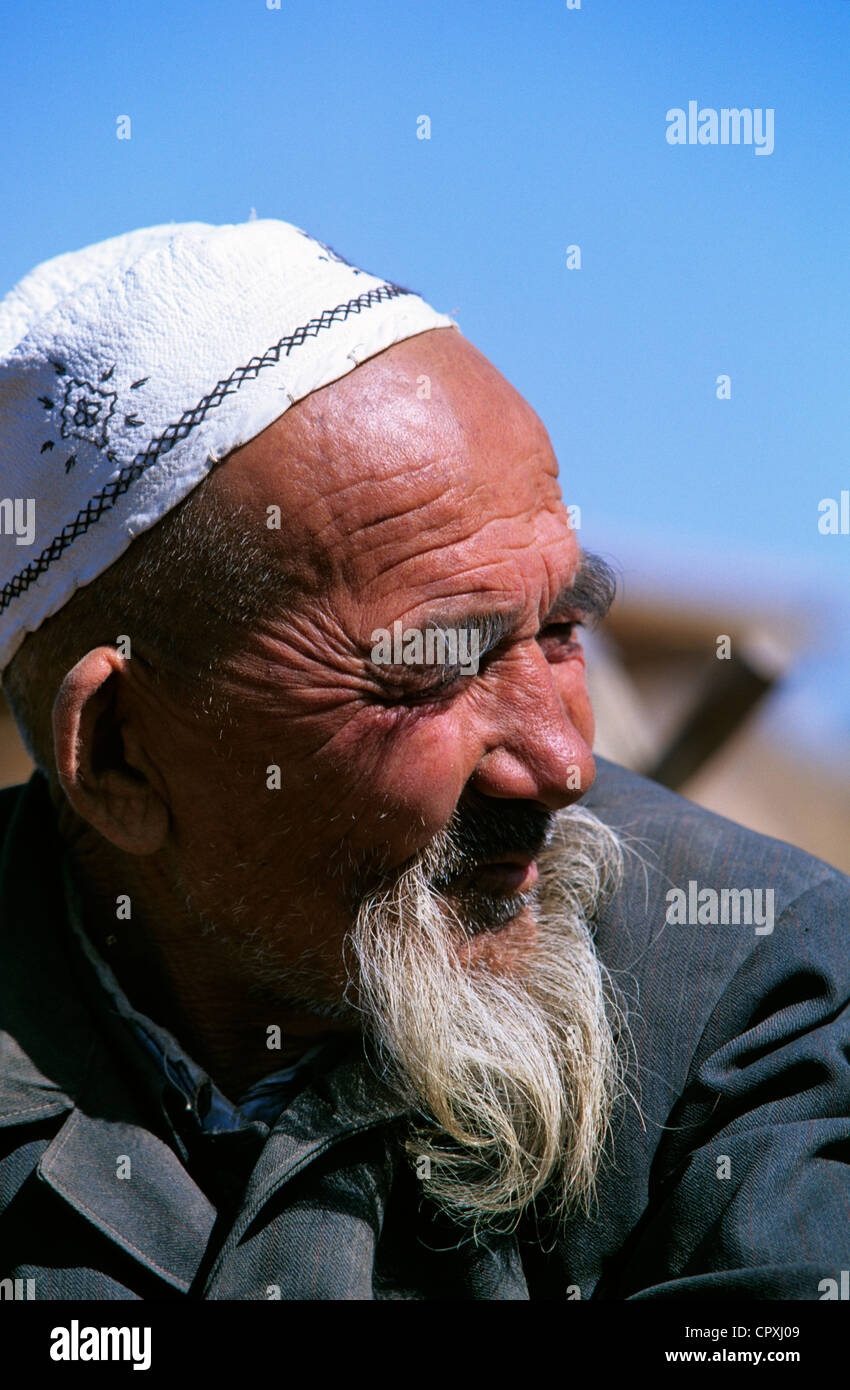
(236, 1029)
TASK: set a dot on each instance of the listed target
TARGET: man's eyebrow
(587, 598)
(590, 594)
(490, 628)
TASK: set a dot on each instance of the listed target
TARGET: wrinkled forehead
(445, 504)
(420, 466)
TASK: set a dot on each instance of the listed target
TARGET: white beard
(515, 1071)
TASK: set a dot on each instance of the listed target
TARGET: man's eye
(560, 638)
(439, 682)
(424, 686)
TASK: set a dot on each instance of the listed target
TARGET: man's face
(419, 489)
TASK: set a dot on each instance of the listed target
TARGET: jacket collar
(344, 1101)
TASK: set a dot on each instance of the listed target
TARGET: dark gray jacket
(735, 1181)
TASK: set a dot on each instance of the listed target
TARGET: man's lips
(505, 874)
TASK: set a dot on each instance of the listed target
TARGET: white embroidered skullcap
(129, 368)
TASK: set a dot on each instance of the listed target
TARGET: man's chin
(500, 940)
(485, 913)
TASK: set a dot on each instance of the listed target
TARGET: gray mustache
(478, 832)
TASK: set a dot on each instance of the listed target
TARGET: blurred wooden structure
(669, 706)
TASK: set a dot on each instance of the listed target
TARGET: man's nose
(534, 752)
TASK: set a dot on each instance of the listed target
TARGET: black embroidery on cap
(86, 410)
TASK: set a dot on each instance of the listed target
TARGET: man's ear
(102, 768)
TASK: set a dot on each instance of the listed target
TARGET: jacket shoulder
(684, 841)
(711, 921)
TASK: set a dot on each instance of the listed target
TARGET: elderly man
(328, 969)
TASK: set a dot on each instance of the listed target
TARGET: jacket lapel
(275, 1250)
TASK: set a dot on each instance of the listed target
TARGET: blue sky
(548, 128)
